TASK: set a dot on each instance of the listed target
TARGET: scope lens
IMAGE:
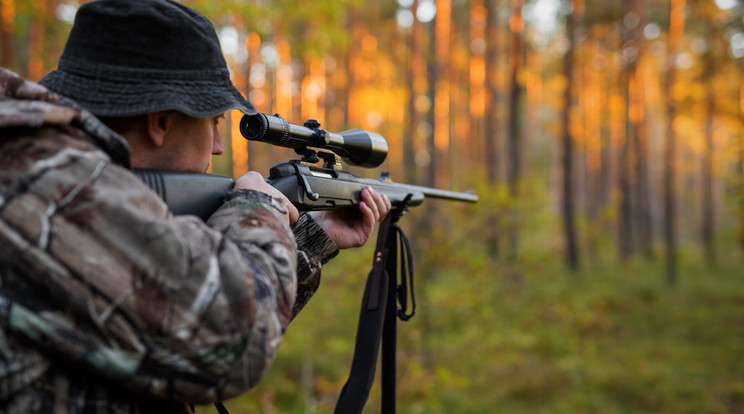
(253, 127)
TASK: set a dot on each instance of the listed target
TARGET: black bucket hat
(131, 57)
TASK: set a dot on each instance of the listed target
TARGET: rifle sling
(377, 321)
(355, 392)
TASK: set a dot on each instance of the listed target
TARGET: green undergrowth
(527, 335)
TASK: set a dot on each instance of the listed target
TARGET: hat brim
(111, 95)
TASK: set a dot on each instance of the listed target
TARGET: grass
(608, 339)
(530, 336)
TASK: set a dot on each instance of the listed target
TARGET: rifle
(306, 185)
(311, 187)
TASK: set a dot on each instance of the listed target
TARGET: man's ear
(158, 124)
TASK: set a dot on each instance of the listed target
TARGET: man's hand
(253, 180)
(351, 228)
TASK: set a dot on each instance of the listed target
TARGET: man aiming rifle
(109, 302)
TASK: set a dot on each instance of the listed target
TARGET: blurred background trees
(598, 134)
(599, 101)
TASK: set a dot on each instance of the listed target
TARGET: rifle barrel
(429, 192)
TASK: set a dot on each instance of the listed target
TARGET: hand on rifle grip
(253, 180)
(350, 227)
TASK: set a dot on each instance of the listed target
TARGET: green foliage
(611, 338)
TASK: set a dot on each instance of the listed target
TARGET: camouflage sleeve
(165, 306)
(314, 248)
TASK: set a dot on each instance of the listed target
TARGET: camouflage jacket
(108, 302)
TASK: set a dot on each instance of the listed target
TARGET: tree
(740, 168)
(638, 126)
(629, 56)
(676, 30)
(492, 135)
(708, 219)
(569, 213)
(7, 26)
(516, 50)
(414, 75)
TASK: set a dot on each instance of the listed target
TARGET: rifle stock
(188, 193)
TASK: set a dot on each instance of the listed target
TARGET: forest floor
(610, 338)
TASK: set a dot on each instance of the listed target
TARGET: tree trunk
(643, 231)
(35, 64)
(414, 59)
(516, 25)
(569, 222)
(7, 26)
(593, 121)
(676, 30)
(432, 72)
(493, 162)
(626, 225)
(253, 46)
(491, 120)
(442, 94)
(740, 168)
(708, 222)
(741, 150)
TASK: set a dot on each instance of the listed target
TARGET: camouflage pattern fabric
(108, 302)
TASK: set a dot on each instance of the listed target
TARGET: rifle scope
(357, 146)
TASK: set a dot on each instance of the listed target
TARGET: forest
(605, 140)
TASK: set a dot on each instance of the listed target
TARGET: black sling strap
(399, 293)
(377, 320)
